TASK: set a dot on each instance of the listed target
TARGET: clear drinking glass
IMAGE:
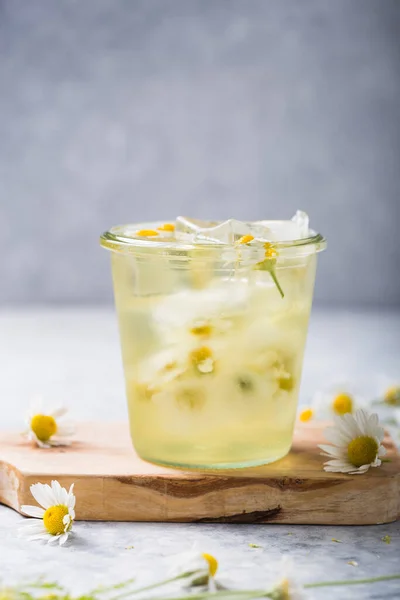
(213, 324)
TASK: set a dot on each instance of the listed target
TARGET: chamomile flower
(44, 426)
(356, 443)
(388, 392)
(287, 588)
(197, 568)
(55, 517)
(336, 399)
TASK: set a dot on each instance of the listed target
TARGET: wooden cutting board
(113, 484)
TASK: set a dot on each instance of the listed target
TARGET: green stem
(113, 588)
(152, 586)
(352, 581)
(275, 279)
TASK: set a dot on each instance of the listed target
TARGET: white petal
(337, 466)
(42, 444)
(378, 433)
(43, 494)
(64, 538)
(360, 470)
(373, 420)
(39, 536)
(32, 511)
(58, 412)
(65, 430)
(32, 522)
(72, 514)
(66, 519)
(71, 497)
(331, 450)
(351, 425)
(59, 492)
(58, 442)
(361, 417)
(53, 538)
(382, 451)
(29, 530)
(336, 436)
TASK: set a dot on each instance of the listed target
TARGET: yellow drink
(212, 353)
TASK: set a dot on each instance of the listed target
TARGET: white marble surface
(73, 355)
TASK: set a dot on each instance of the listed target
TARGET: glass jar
(212, 335)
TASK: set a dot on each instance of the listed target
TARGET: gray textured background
(114, 111)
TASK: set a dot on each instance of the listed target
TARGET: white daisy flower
(44, 427)
(388, 391)
(56, 515)
(287, 588)
(195, 315)
(197, 568)
(336, 399)
(357, 443)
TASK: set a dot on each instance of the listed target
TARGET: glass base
(215, 466)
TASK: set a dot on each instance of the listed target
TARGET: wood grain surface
(113, 484)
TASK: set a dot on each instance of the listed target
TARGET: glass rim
(114, 239)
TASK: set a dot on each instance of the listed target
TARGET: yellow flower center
(270, 253)
(362, 450)
(342, 404)
(202, 329)
(166, 227)
(306, 415)
(212, 563)
(201, 358)
(284, 592)
(147, 233)
(245, 239)
(392, 395)
(43, 426)
(53, 519)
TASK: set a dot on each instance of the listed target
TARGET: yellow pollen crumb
(342, 404)
(306, 415)
(147, 233)
(166, 227)
(245, 239)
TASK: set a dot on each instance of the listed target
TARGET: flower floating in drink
(213, 321)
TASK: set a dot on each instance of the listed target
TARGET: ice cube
(214, 232)
(229, 231)
(285, 231)
(302, 221)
